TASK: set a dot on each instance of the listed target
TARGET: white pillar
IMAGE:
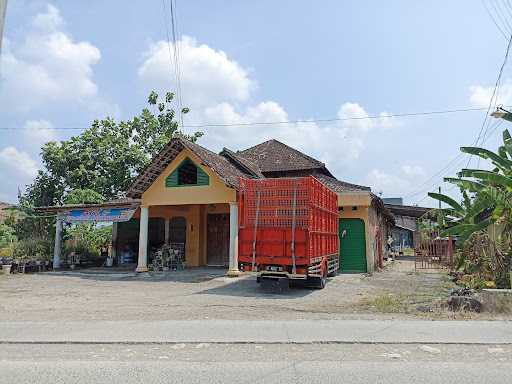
(142, 265)
(57, 250)
(113, 254)
(233, 240)
(167, 223)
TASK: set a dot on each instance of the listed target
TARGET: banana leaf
(448, 200)
(483, 153)
(470, 185)
(494, 178)
(465, 230)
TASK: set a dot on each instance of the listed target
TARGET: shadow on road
(248, 287)
(191, 275)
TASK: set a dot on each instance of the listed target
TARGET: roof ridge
(287, 146)
(249, 166)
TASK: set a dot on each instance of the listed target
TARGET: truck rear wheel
(333, 273)
(317, 282)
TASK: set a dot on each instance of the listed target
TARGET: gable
(163, 192)
(223, 168)
(187, 173)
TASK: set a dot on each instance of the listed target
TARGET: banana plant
(487, 194)
(462, 219)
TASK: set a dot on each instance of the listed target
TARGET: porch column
(233, 240)
(142, 265)
(166, 232)
(113, 254)
(57, 250)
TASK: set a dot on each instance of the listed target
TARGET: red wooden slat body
(316, 220)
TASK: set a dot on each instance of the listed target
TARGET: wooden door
(217, 246)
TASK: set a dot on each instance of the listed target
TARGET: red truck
(288, 229)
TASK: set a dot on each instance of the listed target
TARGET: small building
(406, 223)
(188, 195)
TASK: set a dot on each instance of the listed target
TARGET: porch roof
(119, 203)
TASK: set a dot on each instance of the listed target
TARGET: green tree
(84, 196)
(104, 158)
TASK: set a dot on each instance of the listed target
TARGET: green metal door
(352, 246)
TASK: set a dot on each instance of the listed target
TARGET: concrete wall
(196, 217)
(191, 202)
(358, 205)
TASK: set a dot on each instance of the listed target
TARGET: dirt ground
(205, 293)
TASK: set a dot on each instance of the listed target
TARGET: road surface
(222, 351)
(255, 363)
(261, 331)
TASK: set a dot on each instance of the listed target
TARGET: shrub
(6, 251)
(33, 248)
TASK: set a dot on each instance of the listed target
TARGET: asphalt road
(285, 363)
(223, 351)
(262, 331)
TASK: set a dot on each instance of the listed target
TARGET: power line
(452, 164)
(494, 20)
(460, 156)
(508, 8)
(497, 7)
(177, 49)
(174, 57)
(310, 121)
(493, 97)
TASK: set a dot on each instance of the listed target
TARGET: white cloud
(330, 143)
(413, 171)
(13, 161)
(481, 95)
(359, 119)
(39, 131)
(220, 91)
(48, 66)
(395, 184)
(355, 111)
(208, 76)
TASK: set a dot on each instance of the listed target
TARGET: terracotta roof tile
(341, 186)
(274, 156)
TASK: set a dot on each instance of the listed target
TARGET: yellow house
(188, 196)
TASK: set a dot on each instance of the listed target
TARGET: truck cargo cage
(288, 222)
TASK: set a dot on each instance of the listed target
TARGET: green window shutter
(202, 177)
(172, 179)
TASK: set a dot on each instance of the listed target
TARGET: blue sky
(65, 63)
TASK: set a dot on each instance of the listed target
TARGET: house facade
(188, 195)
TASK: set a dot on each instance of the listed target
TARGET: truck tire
(317, 282)
(333, 273)
(322, 281)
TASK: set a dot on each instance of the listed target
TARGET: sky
(66, 63)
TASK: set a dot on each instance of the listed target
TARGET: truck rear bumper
(280, 275)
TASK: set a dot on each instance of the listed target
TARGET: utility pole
(439, 200)
(3, 8)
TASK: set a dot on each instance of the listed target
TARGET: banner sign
(99, 214)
